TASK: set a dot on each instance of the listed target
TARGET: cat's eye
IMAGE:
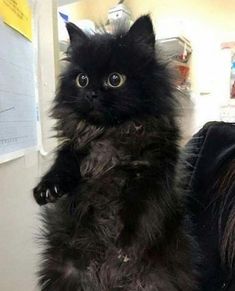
(82, 80)
(116, 80)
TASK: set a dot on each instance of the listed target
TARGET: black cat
(121, 224)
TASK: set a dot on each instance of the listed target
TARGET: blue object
(64, 16)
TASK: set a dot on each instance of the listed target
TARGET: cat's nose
(92, 95)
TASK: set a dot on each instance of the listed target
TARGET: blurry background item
(232, 94)
(178, 50)
(120, 13)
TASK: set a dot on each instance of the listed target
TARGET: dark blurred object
(211, 161)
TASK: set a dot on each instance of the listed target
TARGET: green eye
(116, 80)
(82, 80)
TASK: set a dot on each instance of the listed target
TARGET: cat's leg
(62, 177)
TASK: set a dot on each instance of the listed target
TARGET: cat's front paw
(47, 191)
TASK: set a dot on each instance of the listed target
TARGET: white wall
(19, 221)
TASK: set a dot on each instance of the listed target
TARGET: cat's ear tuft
(142, 30)
(76, 35)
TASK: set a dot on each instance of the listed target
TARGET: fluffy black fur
(121, 224)
(211, 200)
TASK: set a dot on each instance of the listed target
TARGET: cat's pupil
(115, 80)
(83, 80)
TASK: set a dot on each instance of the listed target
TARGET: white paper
(18, 118)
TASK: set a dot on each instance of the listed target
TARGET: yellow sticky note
(18, 15)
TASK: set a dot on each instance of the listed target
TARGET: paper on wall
(18, 118)
(18, 15)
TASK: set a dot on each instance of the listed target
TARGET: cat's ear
(76, 35)
(142, 30)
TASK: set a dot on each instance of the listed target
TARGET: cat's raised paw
(46, 192)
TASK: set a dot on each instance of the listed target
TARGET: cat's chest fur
(101, 158)
(107, 149)
(107, 158)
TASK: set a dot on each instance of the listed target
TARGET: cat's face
(111, 78)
